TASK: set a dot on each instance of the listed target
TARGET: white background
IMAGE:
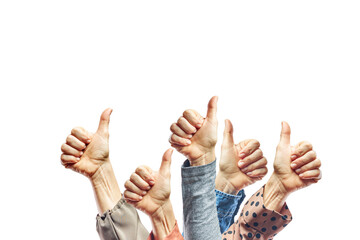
(63, 62)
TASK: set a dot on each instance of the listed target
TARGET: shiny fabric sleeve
(174, 235)
(258, 222)
(121, 223)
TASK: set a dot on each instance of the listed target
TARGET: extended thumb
(105, 120)
(285, 133)
(228, 138)
(166, 161)
(212, 108)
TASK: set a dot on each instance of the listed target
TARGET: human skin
(294, 168)
(156, 201)
(200, 150)
(88, 154)
(240, 164)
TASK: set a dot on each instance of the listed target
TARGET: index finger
(146, 174)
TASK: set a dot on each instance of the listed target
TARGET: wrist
(106, 189)
(206, 158)
(163, 220)
(275, 194)
(223, 185)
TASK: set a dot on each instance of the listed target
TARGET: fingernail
(88, 140)
(298, 170)
(301, 175)
(244, 169)
(249, 173)
(293, 165)
(77, 159)
(241, 164)
(152, 182)
(148, 188)
(188, 141)
(144, 193)
(293, 157)
(81, 153)
(242, 155)
(140, 197)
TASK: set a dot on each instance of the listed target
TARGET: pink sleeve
(258, 222)
(174, 235)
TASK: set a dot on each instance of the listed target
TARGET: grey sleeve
(199, 202)
(121, 223)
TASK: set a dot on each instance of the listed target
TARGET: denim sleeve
(227, 208)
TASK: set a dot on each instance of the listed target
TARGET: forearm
(106, 189)
(274, 194)
(199, 202)
(163, 221)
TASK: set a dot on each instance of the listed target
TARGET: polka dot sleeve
(258, 222)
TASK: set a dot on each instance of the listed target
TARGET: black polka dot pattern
(258, 222)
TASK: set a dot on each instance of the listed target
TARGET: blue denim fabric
(227, 208)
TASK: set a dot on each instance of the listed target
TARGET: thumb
(228, 139)
(285, 134)
(104, 121)
(166, 162)
(212, 108)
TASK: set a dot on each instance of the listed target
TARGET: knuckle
(307, 145)
(256, 143)
(173, 127)
(133, 177)
(187, 113)
(63, 147)
(181, 119)
(312, 154)
(75, 130)
(69, 138)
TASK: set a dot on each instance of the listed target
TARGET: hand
(156, 183)
(85, 152)
(194, 136)
(240, 164)
(300, 158)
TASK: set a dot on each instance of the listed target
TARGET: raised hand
(286, 177)
(147, 190)
(194, 136)
(86, 152)
(241, 164)
(300, 158)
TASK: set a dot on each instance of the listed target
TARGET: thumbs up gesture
(295, 167)
(147, 190)
(86, 152)
(195, 136)
(241, 164)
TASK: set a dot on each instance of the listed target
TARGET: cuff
(188, 171)
(118, 206)
(228, 204)
(264, 221)
(174, 234)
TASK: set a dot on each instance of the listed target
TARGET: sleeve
(121, 223)
(258, 222)
(227, 207)
(199, 202)
(174, 235)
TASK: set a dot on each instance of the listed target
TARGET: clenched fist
(86, 152)
(194, 136)
(295, 167)
(241, 164)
